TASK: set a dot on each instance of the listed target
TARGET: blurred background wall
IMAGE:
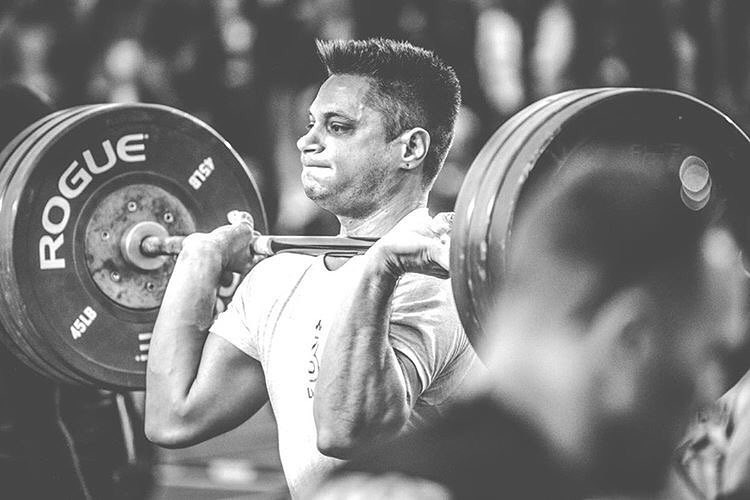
(248, 67)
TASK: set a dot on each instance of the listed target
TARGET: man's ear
(623, 332)
(414, 145)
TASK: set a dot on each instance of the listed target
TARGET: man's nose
(309, 143)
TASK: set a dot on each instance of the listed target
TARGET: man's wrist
(379, 267)
(202, 251)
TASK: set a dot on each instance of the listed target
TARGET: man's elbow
(337, 444)
(164, 436)
(340, 440)
(168, 434)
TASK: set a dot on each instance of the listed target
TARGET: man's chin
(315, 192)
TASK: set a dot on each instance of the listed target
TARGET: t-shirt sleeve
(238, 323)
(424, 327)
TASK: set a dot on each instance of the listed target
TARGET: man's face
(347, 165)
(685, 372)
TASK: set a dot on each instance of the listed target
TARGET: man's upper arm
(233, 384)
(239, 323)
(425, 331)
(230, 382)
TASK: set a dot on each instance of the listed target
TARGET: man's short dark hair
(411, 87)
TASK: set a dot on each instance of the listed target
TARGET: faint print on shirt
(313, 364)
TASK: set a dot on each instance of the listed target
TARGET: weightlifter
(618, 304)
(347, 355)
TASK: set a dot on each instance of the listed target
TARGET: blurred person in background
(523, 51)
(623, 43)
(29, 38)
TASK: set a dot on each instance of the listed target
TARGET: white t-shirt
(281, 314)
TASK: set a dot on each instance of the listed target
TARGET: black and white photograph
(374, 249)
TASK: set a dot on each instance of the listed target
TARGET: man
(617, 303)
(346, 356)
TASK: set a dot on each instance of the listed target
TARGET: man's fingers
(439, 255)
(442, 223)
(443, 259)
(240, 217)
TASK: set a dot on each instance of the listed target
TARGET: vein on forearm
(184, 318)
(361, 382)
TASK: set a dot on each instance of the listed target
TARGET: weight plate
(480, 283)
(6, 165)
(468, 248)
(460, 264)
(17, 338)
(664, 128)
(54, 198)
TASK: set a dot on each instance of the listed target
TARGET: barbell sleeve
(152, 246)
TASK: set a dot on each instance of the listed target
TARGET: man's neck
(381, 220)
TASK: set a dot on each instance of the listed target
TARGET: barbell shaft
(152, 246)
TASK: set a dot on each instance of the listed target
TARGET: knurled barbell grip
(152, 246)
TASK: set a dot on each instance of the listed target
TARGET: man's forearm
(361, 392)
(180, 329)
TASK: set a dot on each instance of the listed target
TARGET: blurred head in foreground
(618, 305)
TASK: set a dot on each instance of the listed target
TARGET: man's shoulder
(425, 293)
(423, 285)
(276, 273)
(282, 266)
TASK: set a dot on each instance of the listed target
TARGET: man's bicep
(424, 326)
(416, 354)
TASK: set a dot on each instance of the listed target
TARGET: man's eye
(309, 126)
(338, 128)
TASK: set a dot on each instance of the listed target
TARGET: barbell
(94, 199)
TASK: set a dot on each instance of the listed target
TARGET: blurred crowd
(248, 67)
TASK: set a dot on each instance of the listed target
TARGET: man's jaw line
(380, 220)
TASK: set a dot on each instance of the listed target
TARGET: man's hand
(233, 243)
(417, 244)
